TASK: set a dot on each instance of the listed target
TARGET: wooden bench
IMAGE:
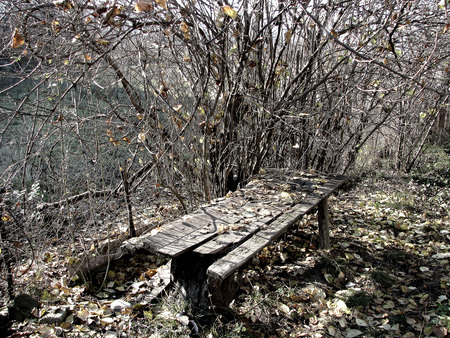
(209, 246)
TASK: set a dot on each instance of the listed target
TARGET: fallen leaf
(283, 308)
(353, 333)
(428, 330)
(107, 320)
(361, 322)
(83, 314)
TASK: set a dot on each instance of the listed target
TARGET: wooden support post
(188, 272)
(324, 225)
(220, 293)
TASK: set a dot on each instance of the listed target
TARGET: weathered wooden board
(223, 267)
(184, 234)
(267, 194)
(232, 237)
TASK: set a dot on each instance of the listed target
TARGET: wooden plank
(203, 227)
(181, 235)
(223, 267)
(229, 238)
(203, 224)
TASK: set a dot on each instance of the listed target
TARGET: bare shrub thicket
(193, 97)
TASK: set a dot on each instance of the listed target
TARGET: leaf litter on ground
(387, 274)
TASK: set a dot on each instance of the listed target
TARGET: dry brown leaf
(288, 36)
(162, 3)
(186, 34)
(17, 39)
(143, 6)
(184, 27)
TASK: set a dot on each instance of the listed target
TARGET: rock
(183, 319)
(188, 321)
(54, 315)
(119, 305)
(22, 307)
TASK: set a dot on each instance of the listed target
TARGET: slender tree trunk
(127, 200)
(5, 253)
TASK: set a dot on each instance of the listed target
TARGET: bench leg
(188, 272)
(222, 292)
(324, 225)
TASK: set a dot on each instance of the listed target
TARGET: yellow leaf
(162, 3)
(47, 257)
(229, 11)
(6, 218)
(126, 139)
(65, 325)
(143, 6)
(150, 272)
(56, 26)
(148, 315)
(141, 137)
(115, 142)
(66, 5)
(184, 27)
(102, 42)
(17, 39)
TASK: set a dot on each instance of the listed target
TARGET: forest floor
(386, 275)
